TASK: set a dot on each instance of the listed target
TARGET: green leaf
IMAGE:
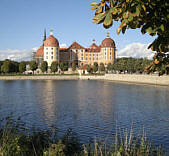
(100, 10)
(99, 18)
(162, 27)
(108, 20)
(130, 18)
(94, 7)
(94, 3)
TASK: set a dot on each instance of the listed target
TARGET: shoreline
(120, 78)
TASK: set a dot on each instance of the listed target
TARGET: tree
(95, 67)
(89, 69)
(44, 66)
(101, 67)
(54, 66)
(151, 16)
(22, 67)
(73, 66)
(33, 66)
(1, 63)
(109, 67)
(6, 67)
(63, 66)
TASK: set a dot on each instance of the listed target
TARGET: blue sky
(22, 23)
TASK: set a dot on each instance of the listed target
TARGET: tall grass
(15, 141)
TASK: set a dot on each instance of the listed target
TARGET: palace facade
(50, 51)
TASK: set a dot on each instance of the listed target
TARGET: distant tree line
(122, 65)
(8, 66)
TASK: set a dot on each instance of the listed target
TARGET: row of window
(51, 48)
(51, 53)
(51, 57)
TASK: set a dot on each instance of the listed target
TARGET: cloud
(136, 50)
(63, 45)
(16, 54)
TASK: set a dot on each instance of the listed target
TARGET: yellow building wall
(50, 52)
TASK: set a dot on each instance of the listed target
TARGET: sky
(22, 24)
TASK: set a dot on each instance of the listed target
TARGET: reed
(16, 141)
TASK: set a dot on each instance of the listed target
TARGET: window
(110, 57)
(96, 58)
(52, 57)
(81, 58)
(81, 50)
(52, 52)
(52, 48)
(46, 57)
(46, 48)
(46, 53)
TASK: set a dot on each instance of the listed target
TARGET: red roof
(108, 43)
(51, 41)
(84, 67)
(40, 52)
(93, 48)
(76, 45)
(63, 49)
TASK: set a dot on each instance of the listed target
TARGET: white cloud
(136, 50)
(63, 45)
(16, 54)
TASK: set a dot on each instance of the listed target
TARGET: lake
(90, 108)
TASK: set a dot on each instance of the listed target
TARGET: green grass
(15, 141)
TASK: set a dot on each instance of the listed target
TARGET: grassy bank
(16, 141)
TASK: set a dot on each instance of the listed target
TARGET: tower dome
(108, 42)
(51, 41)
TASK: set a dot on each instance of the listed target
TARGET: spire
(51, 32)
(44, 35)
(108, 35)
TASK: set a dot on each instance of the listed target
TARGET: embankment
(129, 78)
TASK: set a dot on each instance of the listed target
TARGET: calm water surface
(89, 108)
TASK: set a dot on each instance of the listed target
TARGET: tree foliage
(33, 66)
(73, 66)
(22, 67)
(9, 66)
(151, 16)
(131, 65)
(1, 63)
(160, 64)
(63, 66)
(95, 67)
(44, 66)
(89, 69)
(54, 66)
(101, 67)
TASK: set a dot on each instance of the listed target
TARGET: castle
(75, 53)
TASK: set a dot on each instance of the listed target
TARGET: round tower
(51, 49)
(108, 51)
